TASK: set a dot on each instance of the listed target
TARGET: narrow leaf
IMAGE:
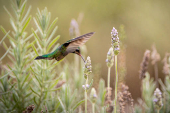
(6, 74)
(22, 8)
(36, 77)
(5, 46)
(35, 50)
(52, 34)
(51, 26)
(24, 81)
(4, 37)
(35, 101)
(39, 28)
(5, 54)
(62, 105)
(53, 42)
(78, 104)
(54, 84)
(35, 35)
(13, 25)
(28, 95)
(26, 39)
(5, 32)
(28, 11)
(34, 92)
(26, 24)
(52, 90)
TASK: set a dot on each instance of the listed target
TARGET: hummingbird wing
(74, 43)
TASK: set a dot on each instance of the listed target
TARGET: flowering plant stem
(108, 79)
(86, 95)
(93, 107)
(115, 84)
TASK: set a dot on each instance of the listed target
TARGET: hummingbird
(71, 46)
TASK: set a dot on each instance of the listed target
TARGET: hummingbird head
(77, 51)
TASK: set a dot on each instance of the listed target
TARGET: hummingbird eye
(77, 51)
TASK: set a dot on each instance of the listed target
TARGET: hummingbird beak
(81, 57)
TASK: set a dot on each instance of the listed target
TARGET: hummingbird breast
(61, 56)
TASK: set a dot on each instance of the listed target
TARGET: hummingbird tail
(42, 57)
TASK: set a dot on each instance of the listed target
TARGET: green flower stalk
(158, 99)
(116, 49)
(109, 61)
(93, 98)
(87, 72)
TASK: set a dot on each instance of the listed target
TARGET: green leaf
(48, 20)
(58, 104)
(52, 90)
(53, 42)
(26, 24)
(54, 84)
(4, 37)
(51, 26)
(38, 41)
(30, 45)
(34, 92)
(27, 95)
(62, 105)
(36, 77)
(78, 104)
(103, 98)
(5, 32)
(26, 15)
(39, 28)
(24, 81)
(5, 54)
(29, 37)
(52, 34)
(35, 50)
(13, 25)
(12, 70)
(22, 8)
(39, 13)
(35, 101)
(13, 44)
